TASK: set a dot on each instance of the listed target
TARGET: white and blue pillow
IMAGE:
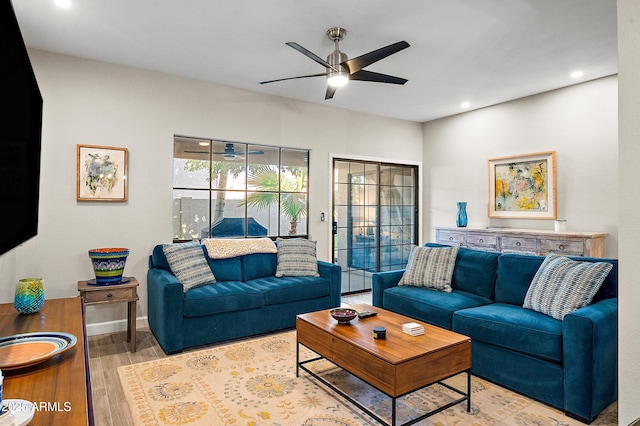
(430, 267)
(297, 258)
(188, 264)
(561, 285)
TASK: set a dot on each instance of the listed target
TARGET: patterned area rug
(253, 382)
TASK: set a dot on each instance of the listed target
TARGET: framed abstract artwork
(101, 173)
(523, 186)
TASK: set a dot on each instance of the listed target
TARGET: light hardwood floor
(107, 352)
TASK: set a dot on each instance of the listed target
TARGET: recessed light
(63, 3)
(577, 74)
(465, 105)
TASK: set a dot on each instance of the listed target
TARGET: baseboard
(114, 326)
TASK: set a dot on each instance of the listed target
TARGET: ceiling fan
(340, 69)
(229, 152)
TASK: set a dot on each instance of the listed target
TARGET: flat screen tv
(20, 133)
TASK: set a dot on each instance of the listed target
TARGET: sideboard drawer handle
(561, 247)
(481, 240)
(450, 238)
(518, 244)
(109, 295)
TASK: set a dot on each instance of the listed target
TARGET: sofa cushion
(297, 258)
(475, 271)
(189, 265)
(226, 269)
(223, 269)
(562, 285)
(434, 307)
(290, 289)
(258, 265)
(513, 276)
(224, 296)
(516, 271)
(430, 267)
(512, 327)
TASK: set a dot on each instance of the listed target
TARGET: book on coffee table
(413, 329)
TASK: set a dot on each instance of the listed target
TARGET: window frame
(247, 200)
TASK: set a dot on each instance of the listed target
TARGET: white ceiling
(481, 51)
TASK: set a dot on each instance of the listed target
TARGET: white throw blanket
(224, 248)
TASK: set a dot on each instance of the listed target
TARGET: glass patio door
(375, 222)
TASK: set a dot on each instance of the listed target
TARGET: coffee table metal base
(300, 364)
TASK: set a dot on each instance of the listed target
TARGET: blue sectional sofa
(247, 299)
(570, 364)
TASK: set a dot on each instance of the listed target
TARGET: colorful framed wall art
(101, 173)
(523, 186)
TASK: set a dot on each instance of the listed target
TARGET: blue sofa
(570, 364)
(246, 300)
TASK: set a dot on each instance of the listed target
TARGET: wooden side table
(115, 293)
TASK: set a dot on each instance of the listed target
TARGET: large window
(234, 189)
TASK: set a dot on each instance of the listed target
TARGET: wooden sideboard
(60, 386)
(540, 242)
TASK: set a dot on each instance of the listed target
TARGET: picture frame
(101, 173)
(523, 186)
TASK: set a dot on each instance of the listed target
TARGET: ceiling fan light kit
(338, 74)
(340, 69)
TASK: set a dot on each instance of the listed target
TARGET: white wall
(578, 122)
(88, 102)
(629, 178)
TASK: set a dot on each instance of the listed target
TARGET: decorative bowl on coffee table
(343, 315)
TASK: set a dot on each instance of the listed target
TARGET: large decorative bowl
(343, 315)
(108, 264)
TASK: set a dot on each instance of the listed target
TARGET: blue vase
(461, 215)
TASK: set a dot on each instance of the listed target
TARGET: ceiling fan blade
(330, 92)
(356, 64)
(364, 75)
(311, 55)
(293, 78)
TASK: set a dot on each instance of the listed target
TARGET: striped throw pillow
(297, 258)
(430, 267)
(561, 285)
(188, 264)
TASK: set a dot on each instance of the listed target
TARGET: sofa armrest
(591, 358)
(165, 308)
(380, 281)
(334, 274)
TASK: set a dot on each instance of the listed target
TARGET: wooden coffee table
(398, 365)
